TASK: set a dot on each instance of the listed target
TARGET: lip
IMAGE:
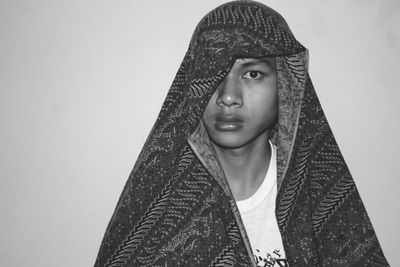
(230, 122)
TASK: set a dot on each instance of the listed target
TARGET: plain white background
(81, 84)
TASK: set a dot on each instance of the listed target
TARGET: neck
(245, 167)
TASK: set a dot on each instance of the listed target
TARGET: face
(244, 107)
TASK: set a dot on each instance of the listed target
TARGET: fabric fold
(176, 208)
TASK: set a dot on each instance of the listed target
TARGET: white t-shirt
(258, 215)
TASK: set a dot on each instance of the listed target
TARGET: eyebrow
(255, 61)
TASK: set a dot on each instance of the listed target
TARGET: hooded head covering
(176, 208)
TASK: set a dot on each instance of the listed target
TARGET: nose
(229, 93)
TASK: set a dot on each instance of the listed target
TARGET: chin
(228, 142)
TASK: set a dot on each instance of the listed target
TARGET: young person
(241, 167)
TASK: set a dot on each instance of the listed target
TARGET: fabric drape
(176, 208)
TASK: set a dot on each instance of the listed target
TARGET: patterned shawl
(176, 208)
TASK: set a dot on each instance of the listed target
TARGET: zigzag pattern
(296, 65)
(226, 258)
(153, 213)
(327, 164)
(292, 188)
(199, 87)
(184, 199)
(337, 195)
(175, 93)
(234, 233)
(131, 242)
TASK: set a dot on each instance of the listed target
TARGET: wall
(81, 83)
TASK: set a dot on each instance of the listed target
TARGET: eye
(253, 74)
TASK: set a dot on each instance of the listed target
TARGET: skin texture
(238, 118)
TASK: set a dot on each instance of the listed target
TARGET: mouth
(229, 122)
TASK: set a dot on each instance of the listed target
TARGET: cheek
(263, 107)
(271, 106)
(270, 97)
